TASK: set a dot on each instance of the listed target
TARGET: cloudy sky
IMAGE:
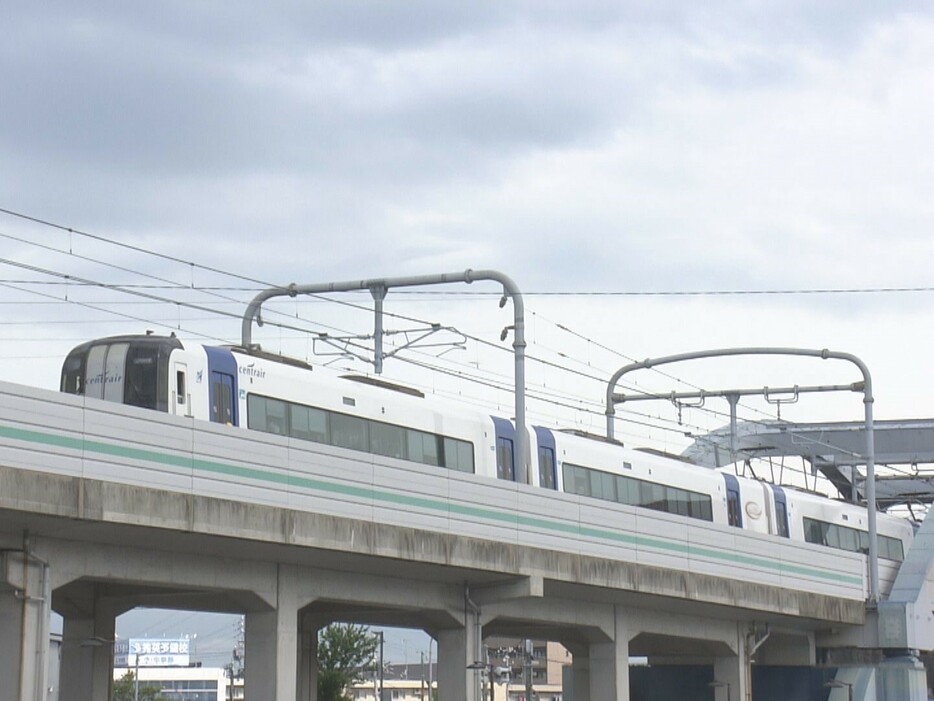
(599, 153)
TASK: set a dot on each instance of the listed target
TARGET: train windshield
(127, 370)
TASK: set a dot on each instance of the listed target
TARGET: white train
(269, 393)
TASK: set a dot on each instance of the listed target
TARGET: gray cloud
(580, 139)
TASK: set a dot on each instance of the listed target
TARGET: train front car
(130, 370)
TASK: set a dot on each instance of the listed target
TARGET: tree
(345, 650)
(125, 689)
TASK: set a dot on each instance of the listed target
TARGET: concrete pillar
(272, 647)
(600, 670)
(24, 627)
(609, 670)
(87, 657)
(732, 675)
(308, 666)
(457, 650)
(580, 674)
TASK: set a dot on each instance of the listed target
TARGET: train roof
(148, 338)
(266, 355)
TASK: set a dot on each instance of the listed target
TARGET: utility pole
(527, 660)
(431, 679)
(422, 655)
(381, 641)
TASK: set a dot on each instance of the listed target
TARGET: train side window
(678, 502)
(849, 539)
(602, 485)
(546, 467)
(701, 507)
(652, 496)
(505, 467)
(73, 374)
(458, 455)
(892, 548)
(423, 447)
(308, 424)
(832, 536)
(387, 440)
(627, 491)
(276, 415)
(575, 479)
(815, 531)
(349, 432)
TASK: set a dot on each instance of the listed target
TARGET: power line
(479, 293)
(136, 290)
(681, 293)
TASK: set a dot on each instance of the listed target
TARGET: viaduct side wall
(125, 465)
(105, 507)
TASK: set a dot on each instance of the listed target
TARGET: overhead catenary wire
(548, 293)
(577, 407)
(156, 299)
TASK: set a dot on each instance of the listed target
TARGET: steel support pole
(733, 399)
(379, 294)
(865, 387)
(871, 499)
(510, 290)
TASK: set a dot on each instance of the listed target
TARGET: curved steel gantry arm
(611, 400)
(379, 286)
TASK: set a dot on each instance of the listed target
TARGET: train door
(222, 387)
(505, 449)
(734, 504)
(781, 512)
(222, 398)
(547, 465)
(181, 397)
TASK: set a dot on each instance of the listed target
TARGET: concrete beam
(151, 570)
(531, 586)
(788, 649)
(558, 619)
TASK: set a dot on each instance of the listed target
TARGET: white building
(186, 683)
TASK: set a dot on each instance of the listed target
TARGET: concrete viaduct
(104, 508)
